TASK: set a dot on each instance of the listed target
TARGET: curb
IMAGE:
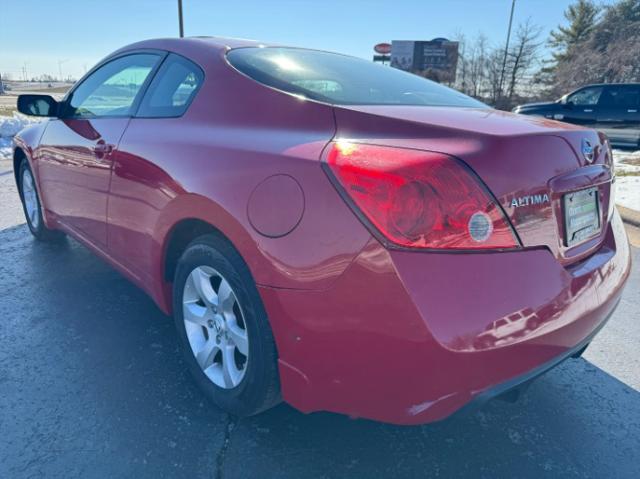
(629, 216)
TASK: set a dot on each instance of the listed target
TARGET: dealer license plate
(581, 215)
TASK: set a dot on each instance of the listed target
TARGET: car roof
(173, 43)
(199, 49)
(610, 84)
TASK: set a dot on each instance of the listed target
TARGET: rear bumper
(519, 383)
(409, 338)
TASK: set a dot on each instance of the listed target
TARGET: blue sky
(80, 32)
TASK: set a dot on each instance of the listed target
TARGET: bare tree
(523, 57)
(478, 66)
(463, 64)
(494, 75)
(472, 65)
(597, 44)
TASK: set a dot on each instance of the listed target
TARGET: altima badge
(588, 151)
(529, 200)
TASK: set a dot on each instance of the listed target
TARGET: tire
(32, 208)
(214, 291)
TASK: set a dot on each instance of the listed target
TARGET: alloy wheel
(30, 198)
(215, 327)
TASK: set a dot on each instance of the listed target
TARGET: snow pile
(627, 161)
(9, 126)
(627, 178)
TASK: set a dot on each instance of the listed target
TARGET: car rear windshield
(342, 80)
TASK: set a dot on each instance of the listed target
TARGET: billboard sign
(436, 59)
(402, 54)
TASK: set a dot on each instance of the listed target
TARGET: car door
(610, 113)
(158, 140)
(619, 114)
(632, 114)
(581, 106)
(77, 150)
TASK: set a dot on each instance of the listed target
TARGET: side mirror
(568, 104)
(38, 105)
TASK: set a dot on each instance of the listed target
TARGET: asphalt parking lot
(92, 385)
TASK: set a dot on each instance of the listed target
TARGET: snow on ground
(627, 162)
(627, 178)
(9, 126)
(628, 192)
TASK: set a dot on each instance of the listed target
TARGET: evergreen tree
(582, 17)
(619, 23)
(610, 52)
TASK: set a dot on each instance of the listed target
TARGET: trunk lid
(528, 163)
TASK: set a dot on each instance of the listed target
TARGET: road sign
(383, 48)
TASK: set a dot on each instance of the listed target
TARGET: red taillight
(419, 199)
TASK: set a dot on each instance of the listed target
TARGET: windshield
(342, 80)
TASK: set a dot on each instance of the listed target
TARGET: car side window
(586, 96)
(172, 89)
(630, 98)
(112, 89)
(612, 97)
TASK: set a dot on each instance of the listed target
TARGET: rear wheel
(32, 207)
(223, 328)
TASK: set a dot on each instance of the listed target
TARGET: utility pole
(506, 48)
(1, 85)
(180, 18)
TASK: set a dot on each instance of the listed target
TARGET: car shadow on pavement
(92, 384)
(577, 421)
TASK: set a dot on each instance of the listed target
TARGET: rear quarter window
(173, 88)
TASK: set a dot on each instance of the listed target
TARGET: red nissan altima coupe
(329, 232)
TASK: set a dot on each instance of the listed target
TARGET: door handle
(632, 111)
(102, 149)
(588, 110)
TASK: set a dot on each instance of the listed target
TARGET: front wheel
(224, 331)
(32, 207)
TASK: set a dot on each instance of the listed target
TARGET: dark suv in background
(612, 108)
